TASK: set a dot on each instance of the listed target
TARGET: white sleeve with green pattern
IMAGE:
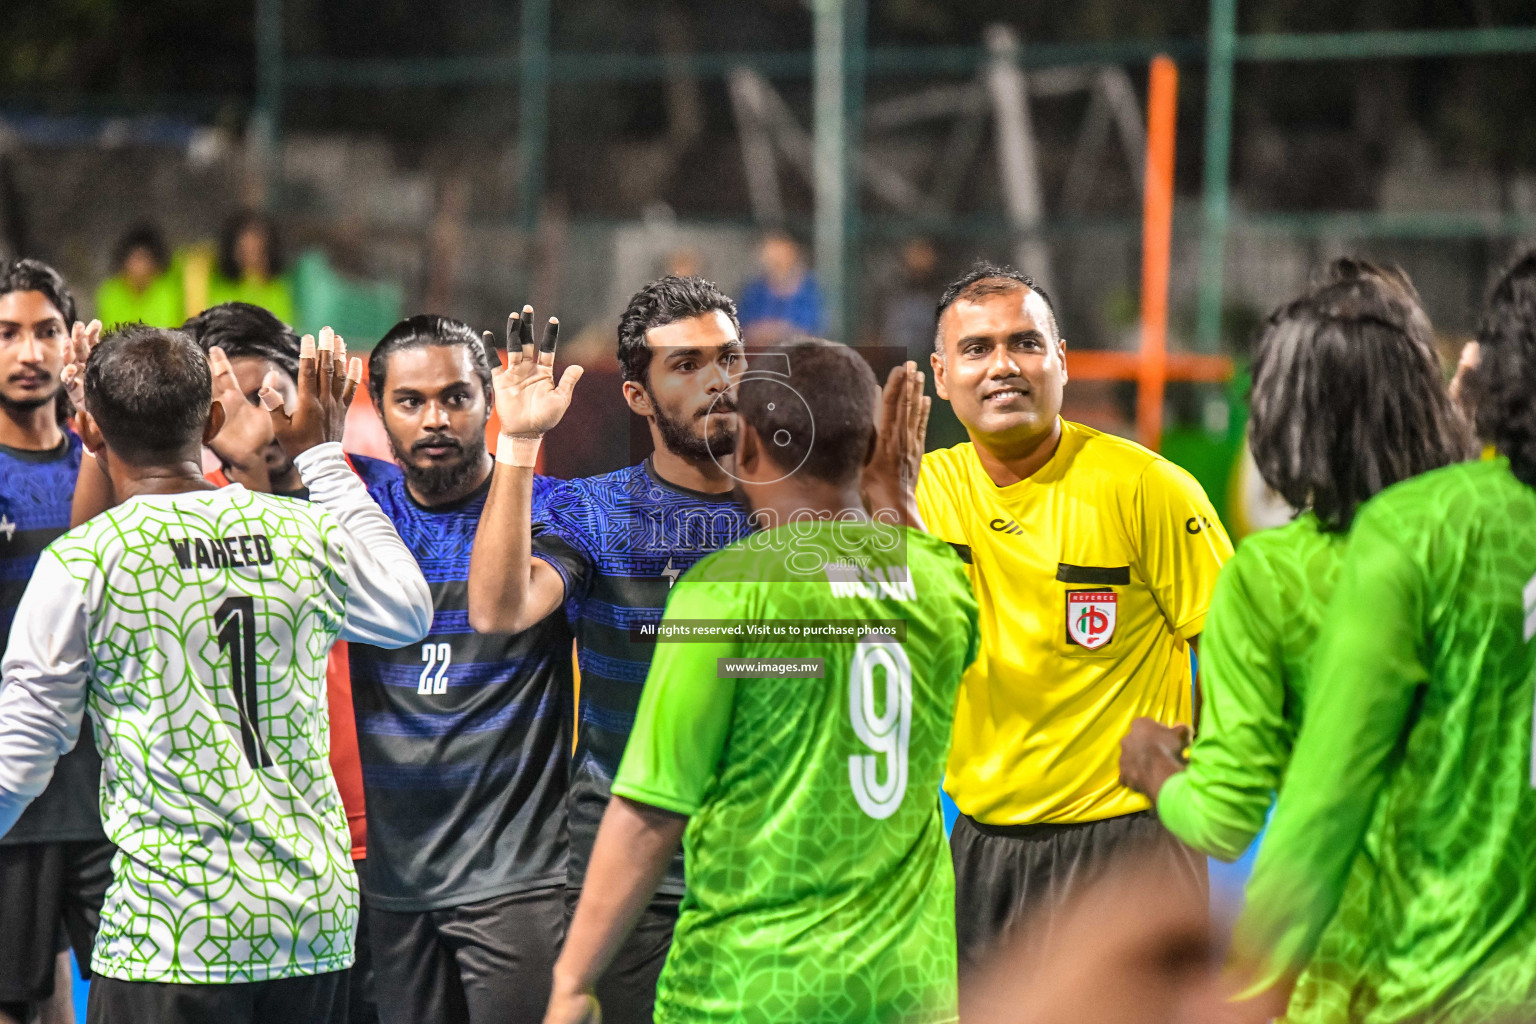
(388, 602)
(42, 694)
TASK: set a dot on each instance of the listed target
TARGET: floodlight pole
(838, 88)
(1218, 152)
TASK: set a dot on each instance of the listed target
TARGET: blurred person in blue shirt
(785, 301)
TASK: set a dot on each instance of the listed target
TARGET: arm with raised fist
(509, 589)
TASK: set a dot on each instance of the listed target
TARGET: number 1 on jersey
(886, 733)
(235, 621)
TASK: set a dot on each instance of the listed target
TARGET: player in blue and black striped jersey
(56, 863)
(632, 532)
(464, 738)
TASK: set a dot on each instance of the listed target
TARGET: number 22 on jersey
(434, 656)
(878, 787)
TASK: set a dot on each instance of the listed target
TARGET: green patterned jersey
(1416, 750)
(195, 627)
(1255, 651)
(819, 881)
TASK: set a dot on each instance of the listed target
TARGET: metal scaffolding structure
(839, 66)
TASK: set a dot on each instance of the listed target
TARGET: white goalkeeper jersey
(195, 628)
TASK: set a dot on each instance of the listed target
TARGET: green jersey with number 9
(819, 881)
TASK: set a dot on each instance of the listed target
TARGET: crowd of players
(336, 767)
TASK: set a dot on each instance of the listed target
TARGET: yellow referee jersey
(1090, 576)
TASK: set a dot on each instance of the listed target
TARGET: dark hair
(982, 280)
(142, 235)
(37, 276)
(229, 237)
(245, 331)
(664, 301)
(828, 431)
(1503, 386)
(419, 331)
(1348, 398)
(149, 389)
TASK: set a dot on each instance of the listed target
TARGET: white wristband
(522, 452)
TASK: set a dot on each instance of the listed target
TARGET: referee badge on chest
(1091, 617)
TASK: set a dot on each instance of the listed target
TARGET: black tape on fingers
(525, 330)
(547, 345)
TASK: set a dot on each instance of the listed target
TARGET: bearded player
(631, 533)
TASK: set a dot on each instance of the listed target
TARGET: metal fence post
(532, 109)
(829, 133)
(1218, 151)
(269, 93)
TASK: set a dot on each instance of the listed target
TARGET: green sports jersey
(1416, 751)
(819, 882)
(1265, 615)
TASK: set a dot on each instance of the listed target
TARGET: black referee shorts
(50, 900)
(1005, 873)
(478, 963)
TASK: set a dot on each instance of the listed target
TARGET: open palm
(247, 430)
(528, 400)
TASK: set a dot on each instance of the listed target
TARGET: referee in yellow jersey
(1093, 561)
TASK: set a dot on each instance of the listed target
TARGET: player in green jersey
(1416, 750)
(194, 622)
(819, 883)
(1348, 398)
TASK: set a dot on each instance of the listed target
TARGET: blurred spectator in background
(684, 262)
(142, 288)
(250, 267)
(785, 301)
(906, 315)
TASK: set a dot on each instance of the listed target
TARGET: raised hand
(242, 443)
(528, 400)
(890, 479)
(77, 349)
(326, 384)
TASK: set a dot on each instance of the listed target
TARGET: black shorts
(627, 992)
(1003, 873)
(50, 900)
(311, 999)
(472, 964)
(361, 1004)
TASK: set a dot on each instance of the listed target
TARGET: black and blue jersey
(465, 737)
(35, 492)
(634, 534)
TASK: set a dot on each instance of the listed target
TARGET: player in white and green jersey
(193, 623)
(819, 882)
(1412, 777)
